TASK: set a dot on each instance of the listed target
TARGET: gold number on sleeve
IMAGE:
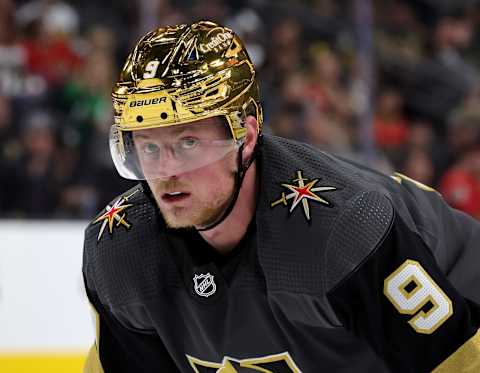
(411, 289)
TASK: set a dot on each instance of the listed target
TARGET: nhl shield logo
(204, 285)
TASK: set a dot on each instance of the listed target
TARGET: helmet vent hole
(164, 115)
(211, 93)
(139, 119)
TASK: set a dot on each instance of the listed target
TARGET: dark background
(393, 84)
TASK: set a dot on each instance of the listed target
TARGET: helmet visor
(160, 153)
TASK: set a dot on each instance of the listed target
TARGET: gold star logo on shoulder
(115, 214)
(301, 193)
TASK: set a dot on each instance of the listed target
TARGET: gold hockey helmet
(182, 74)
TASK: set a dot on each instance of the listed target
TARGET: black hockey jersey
(342, 270)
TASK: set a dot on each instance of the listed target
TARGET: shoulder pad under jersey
(358, 231)
(125, 255)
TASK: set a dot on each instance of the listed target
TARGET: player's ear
(251, 137)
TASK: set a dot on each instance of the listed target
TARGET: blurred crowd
(394, 85)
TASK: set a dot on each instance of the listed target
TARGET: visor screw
(139, 119)
(164, 115)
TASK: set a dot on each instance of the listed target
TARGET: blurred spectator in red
(50, 28)
(460, 186)
(14, 81)
(390, 125)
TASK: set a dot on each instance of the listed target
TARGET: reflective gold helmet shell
(185, 73)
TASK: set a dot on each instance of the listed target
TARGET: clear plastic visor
(160, 153)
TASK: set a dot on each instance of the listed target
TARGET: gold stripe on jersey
(282, 361)
(92, 364)
(465, 360)
(398, 177)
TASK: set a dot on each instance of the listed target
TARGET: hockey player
(244, 252)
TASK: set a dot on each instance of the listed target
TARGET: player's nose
(169, 165)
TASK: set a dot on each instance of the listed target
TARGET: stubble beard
(199, 213)
(199, 216)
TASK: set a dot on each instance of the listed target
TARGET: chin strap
(239, 176)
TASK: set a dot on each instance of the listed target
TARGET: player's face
(190, 197)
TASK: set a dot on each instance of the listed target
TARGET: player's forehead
(214, 128)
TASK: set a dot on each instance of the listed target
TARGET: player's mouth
(172, 197)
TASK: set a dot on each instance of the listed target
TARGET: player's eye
(150, 149)
(189, 143)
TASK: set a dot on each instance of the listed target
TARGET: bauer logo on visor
(153, 101)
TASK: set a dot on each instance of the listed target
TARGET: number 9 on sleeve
(412, 291)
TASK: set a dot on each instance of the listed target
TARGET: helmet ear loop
(239, 176)
(241, 166)
(244, 166)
